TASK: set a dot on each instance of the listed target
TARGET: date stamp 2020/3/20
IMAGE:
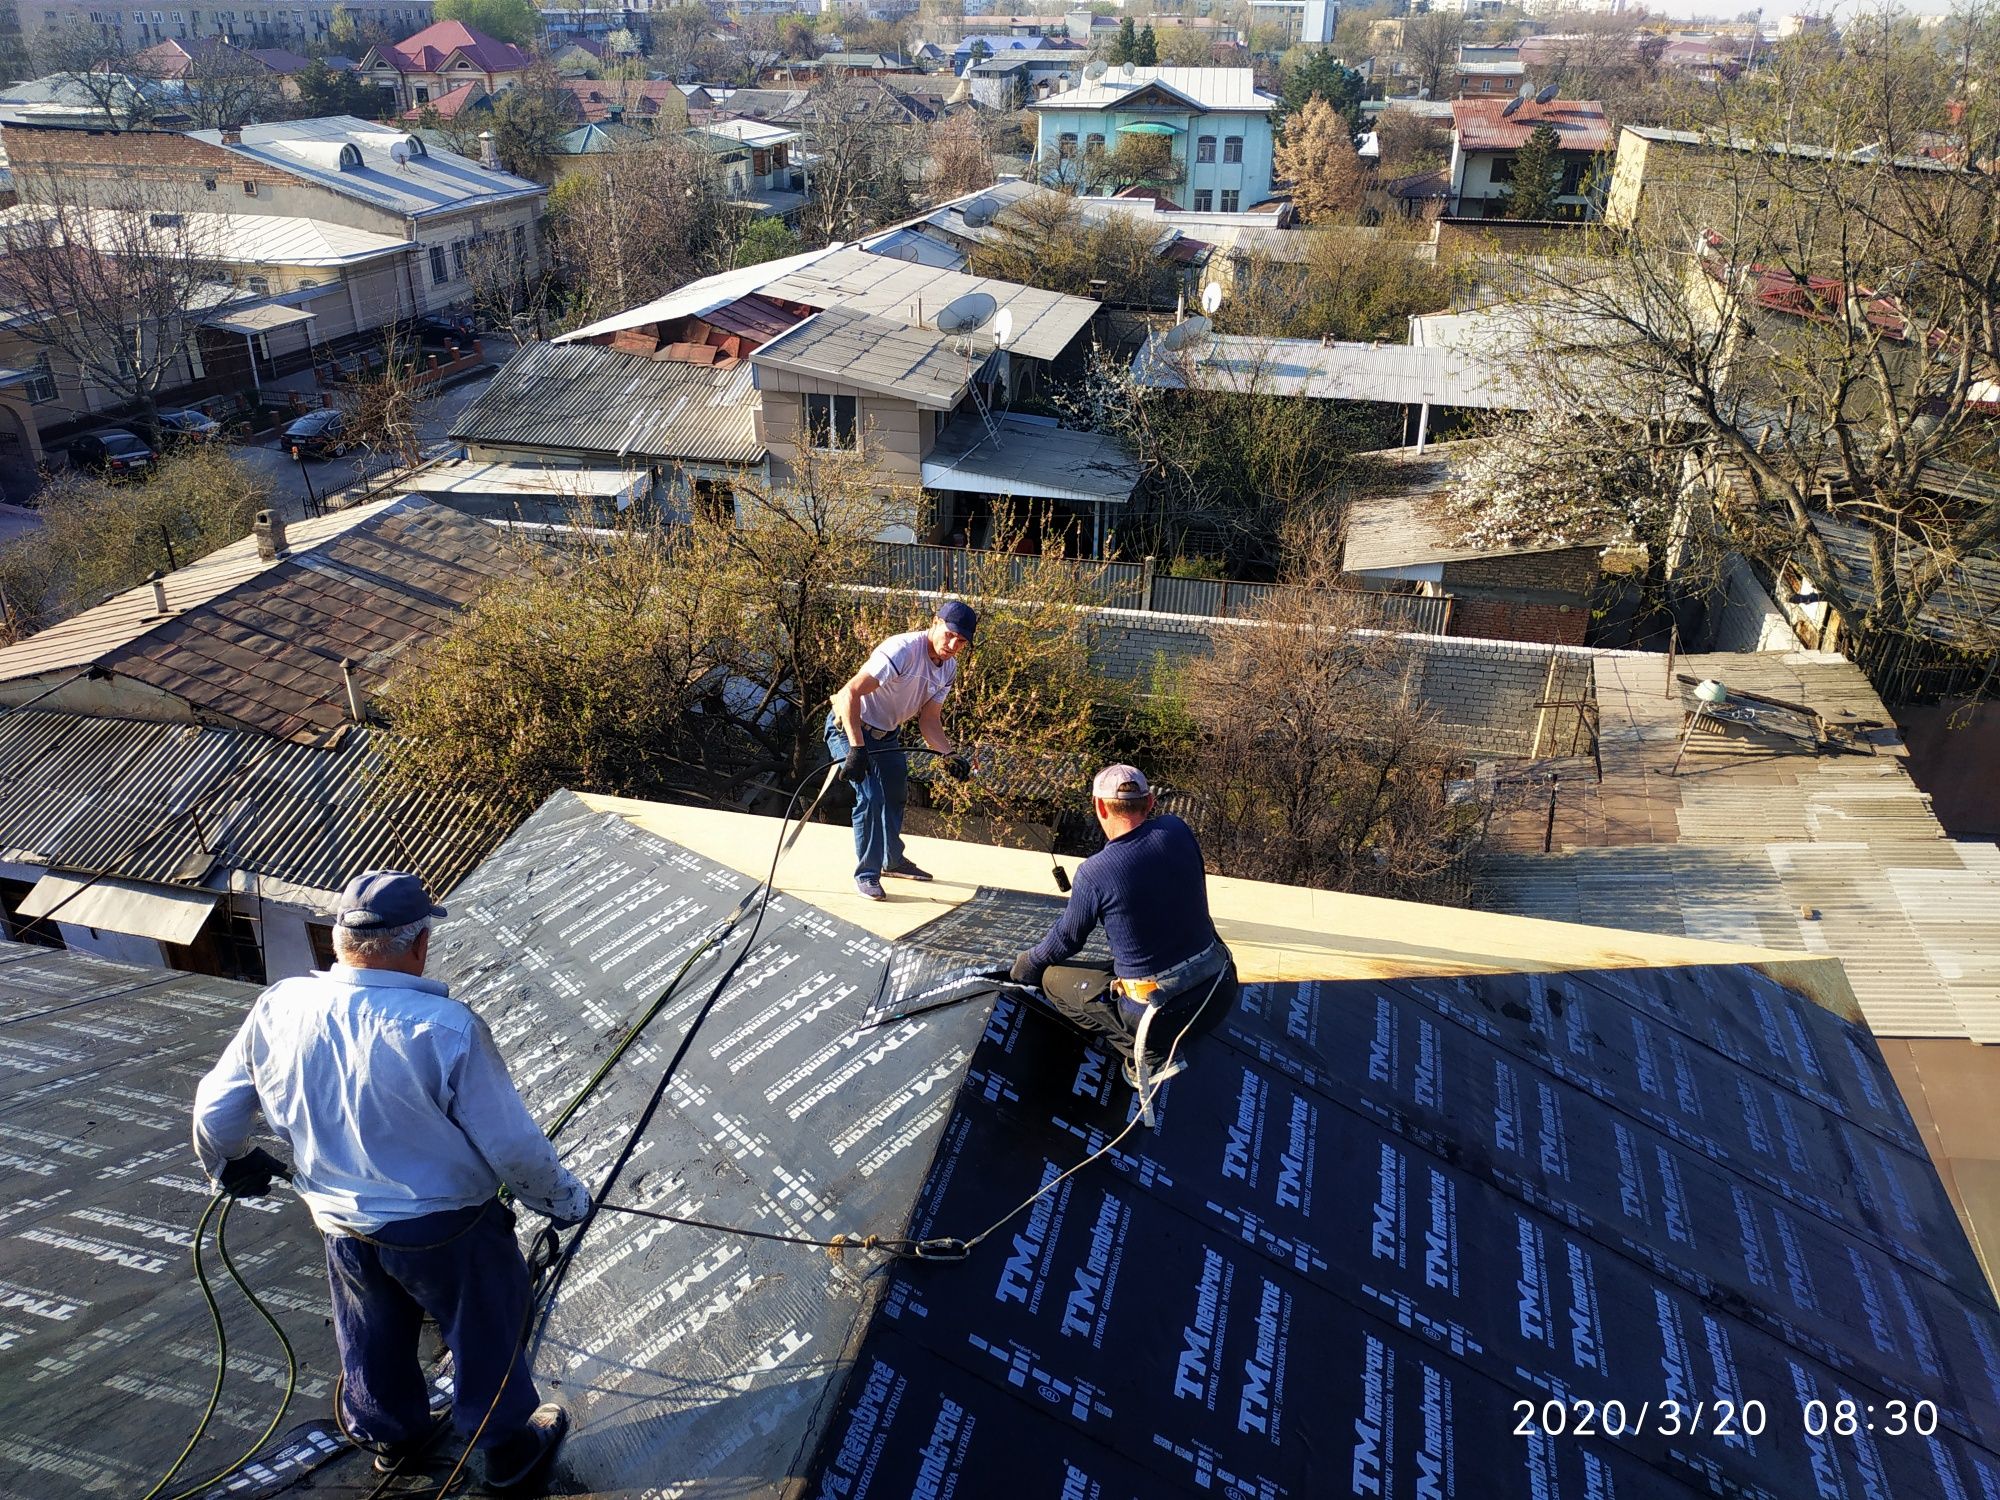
(1723, 1419)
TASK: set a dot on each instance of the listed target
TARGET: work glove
(855, 767)
(1026, 970)
(958, 767)
(560, 1224)
(249, 1175)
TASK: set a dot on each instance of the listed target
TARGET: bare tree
(117, 285)
(961, 159)
(1430, 48)
(866, 152)
(224, 85)
(637, 223)
(1811, 297)
(384, 407)
(96, 71)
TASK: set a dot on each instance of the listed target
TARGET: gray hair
(377, 944)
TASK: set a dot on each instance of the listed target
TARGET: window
(1204, 148)
(458, 257)
(715, 501)
(1232, 148)
(41, 382)
(306, 281)
(1231, 197)
(1093, 144)
(1204, 200)
(208, 184)
(24, 929)
(520, 242)
(1502, 169)
(440, 273)
(249, 187)
(164, 221)
(831, 422)
(423, 94)
(1066, 143)
(260, 286)
(319, 936)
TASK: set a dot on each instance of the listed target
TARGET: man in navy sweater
(1147, 888)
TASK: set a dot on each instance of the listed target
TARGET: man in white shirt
(905, 678)
(403, 1125)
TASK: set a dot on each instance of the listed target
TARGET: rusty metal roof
(181, 804)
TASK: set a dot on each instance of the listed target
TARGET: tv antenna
(965, 316)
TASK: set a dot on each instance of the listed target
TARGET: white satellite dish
(1126, 70)
(1527, 90)
(1003, 328)
(1211, 298)
(1184, 333)
(1094, 71)
(399, 153)
(967, 314)
(981, 211)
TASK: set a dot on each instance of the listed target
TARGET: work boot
(520, 1465)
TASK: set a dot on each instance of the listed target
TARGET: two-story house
(1486, 139)
(1216, 121)
(439, 59)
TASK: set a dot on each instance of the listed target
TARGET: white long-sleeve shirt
(391, 1095)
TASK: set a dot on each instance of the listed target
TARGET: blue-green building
(1216, 120)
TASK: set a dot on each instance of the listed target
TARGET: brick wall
(1496, 619)
(117, 155)
(1573, 570)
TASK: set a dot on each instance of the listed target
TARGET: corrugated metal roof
(84, 638)
(916, 364)
(1210, 88)
(1030, 460)
(243, 239)
(586, 398)
(179, 804)
(1324, 371)
(1965, 606)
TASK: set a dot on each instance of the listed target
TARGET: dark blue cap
(385, 898)
(959, 616)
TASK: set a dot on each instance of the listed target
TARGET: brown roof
(266, 654)
(1580, 124)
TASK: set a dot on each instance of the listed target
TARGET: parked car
(444, 328)
(318, 434)
(112, 452)
(187, 427)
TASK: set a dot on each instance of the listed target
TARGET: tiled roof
(452, 102)
(1580, 125)
(432, 47)
(591, 399)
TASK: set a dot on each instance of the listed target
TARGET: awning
(265, 319)
(1030, 460)
(151, 911)
(1149, 127)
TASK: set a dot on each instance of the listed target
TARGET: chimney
(488, 157)
(616, 114)
(232, 135)
(353, 691)
(270, 533)
(159, 582)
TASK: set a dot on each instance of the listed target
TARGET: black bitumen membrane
(1375, 1218)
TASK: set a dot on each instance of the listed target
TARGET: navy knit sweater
(1148, 889)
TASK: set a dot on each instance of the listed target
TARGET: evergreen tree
(1538, 174)
(1121, 50)
(1319, 72)
(1147, 52)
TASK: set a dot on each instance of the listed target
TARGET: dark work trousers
(878, 797)
(1081, 994)
(464, 1269)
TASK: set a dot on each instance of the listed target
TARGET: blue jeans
(878, 799)
(462, 1267)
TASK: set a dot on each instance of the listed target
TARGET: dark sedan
(318, 434)
(112, 452)
(188, 428)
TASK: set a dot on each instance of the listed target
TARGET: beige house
(439, 60)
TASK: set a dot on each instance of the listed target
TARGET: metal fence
(1129, 585)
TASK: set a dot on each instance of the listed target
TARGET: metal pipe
(159, 582)
(353, 691)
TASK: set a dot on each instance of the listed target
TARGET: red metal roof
(429, 49)
(1580, 124)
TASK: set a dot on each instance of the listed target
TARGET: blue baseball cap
(959, 616)
(385, 898)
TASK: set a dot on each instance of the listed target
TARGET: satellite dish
(965, 314)
(1094, 71)
(1527, 89)
(1126, 69)
(1182, 334)
(1003, 328)
(1512, 106)
(399, 153)
(980, 212)
(1211, 298)
(1546, 95)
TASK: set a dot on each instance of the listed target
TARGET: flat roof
(1325, 371)
(895, 359)
(1404, 531)
(389, 168)
(1030, 460)
(1204, 88)
(239, 239)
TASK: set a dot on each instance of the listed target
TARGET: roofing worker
(1147, 889)
(403, 1124)
(905, 678)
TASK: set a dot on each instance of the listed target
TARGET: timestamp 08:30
(1725, 1419)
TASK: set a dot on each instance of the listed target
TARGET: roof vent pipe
(353, 691)
(159, 582)
(488, 157)
(269, 530)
